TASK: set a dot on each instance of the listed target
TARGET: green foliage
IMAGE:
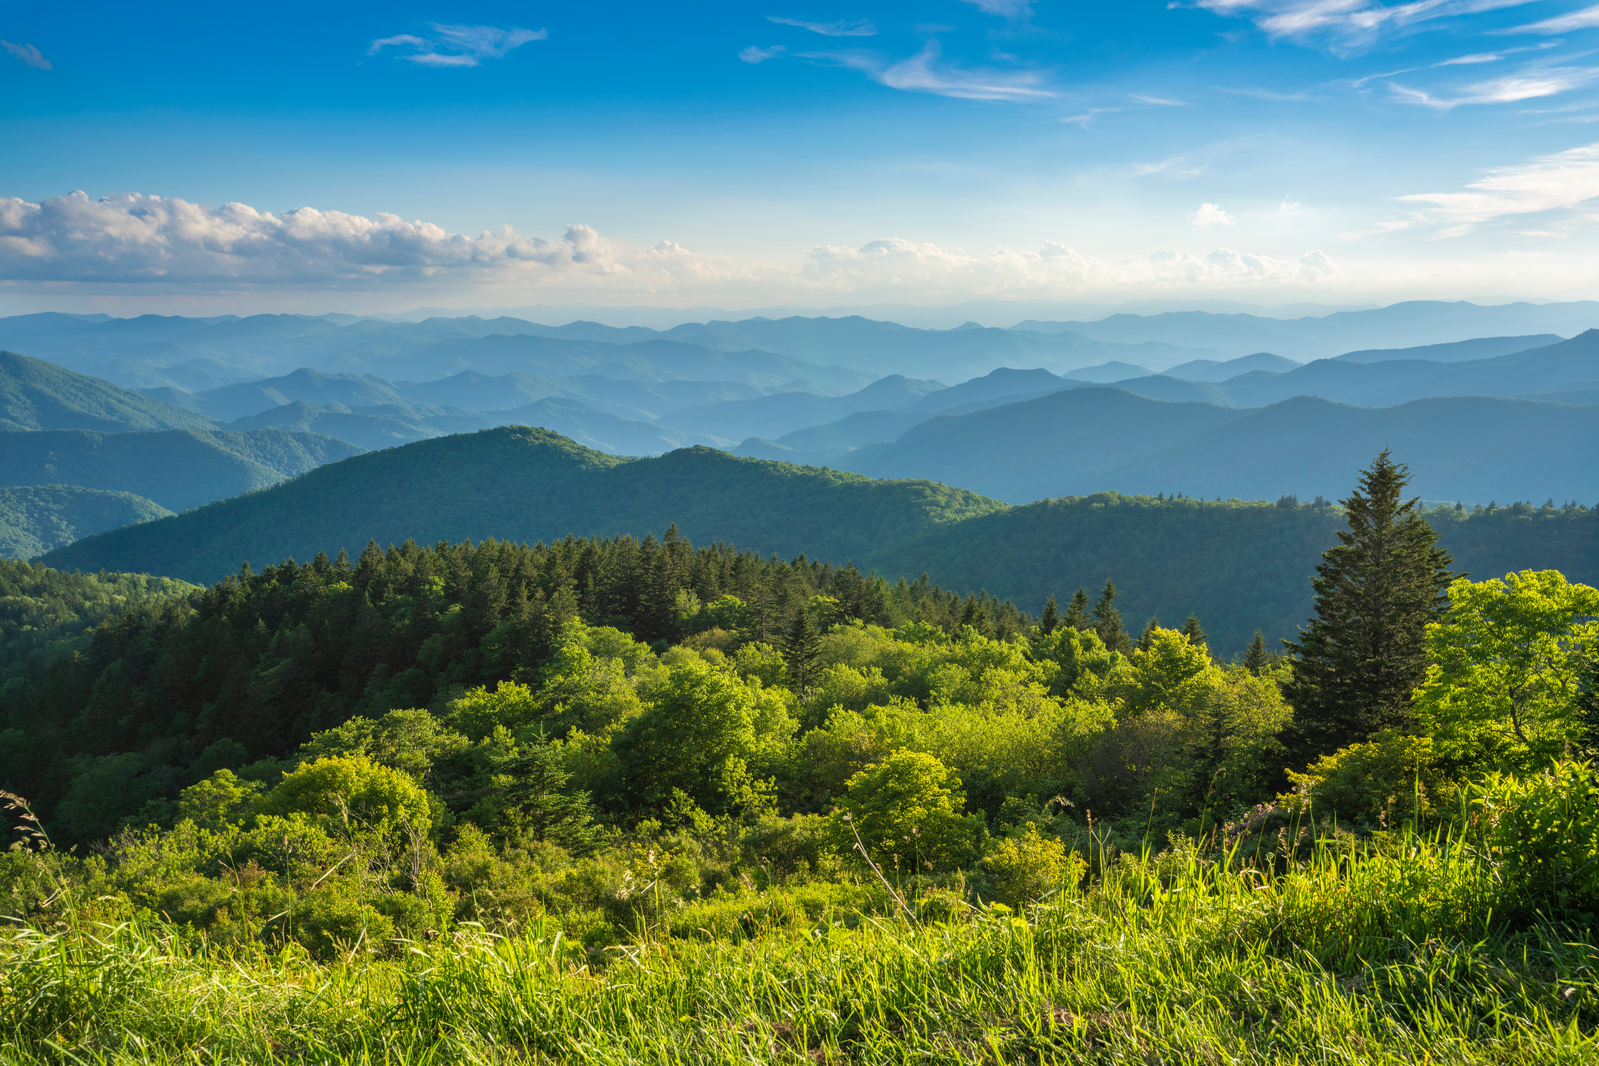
(1505, 678)
(40, 517)
(907, 812)
(1390, 781)
(351, 795)
(1022, 869)
(1543, 828)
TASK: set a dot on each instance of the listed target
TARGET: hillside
(1239, 566)
(36, 395)
(1099, 439)
(177, 469)
(1056, 445)
(786, 412)
(518, 483)
(37, 518)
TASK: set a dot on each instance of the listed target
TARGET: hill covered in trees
(37, 395)
(36, 518)
(1238, 566)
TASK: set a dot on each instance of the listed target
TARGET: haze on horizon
(365, 159)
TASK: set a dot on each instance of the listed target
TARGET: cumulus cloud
(926, 73)
(458, 46)
(1563, 181)
(133, 238)
(1211, 215)
(154, 244)
(841, 28)
(28, 54)
(1345, 25)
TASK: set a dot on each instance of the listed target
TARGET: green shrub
(907, 812)
(332, 921)
(1021, 869)
(1543, 831)
(1386, 782)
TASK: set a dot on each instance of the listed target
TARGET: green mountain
(177, 468)
(40, 517)
(35, 394)
(519, 483)
(785, 412)
(1239, 566)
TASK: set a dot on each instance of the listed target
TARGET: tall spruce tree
(1108, 621)
(1077, 615)
(1050, 619)
(1194, 631)
(1365, 652)
(1147, 637)
(1255, 658)
(802, 646)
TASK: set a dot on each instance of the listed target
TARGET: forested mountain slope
(1239, 566)
(35, 394)
(36, 518)
(526, 484)
(178, 469)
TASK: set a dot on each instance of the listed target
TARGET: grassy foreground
(1397, 954)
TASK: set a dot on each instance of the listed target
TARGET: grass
(1350, 956)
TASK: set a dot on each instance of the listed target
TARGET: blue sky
(815, 153)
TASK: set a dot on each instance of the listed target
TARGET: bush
(1022, 868)
(909, 807)
(1543, 832)
(1385, 782)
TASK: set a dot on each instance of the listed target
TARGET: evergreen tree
(546, 813)
(1365, 652)
(1255, 657)
(1148, 635)
(802, 646)
(1077, 615)
(1108, 621)
(1193, 631)
(1050, 618)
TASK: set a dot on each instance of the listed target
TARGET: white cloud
(133, 238)
(458, 46)
(1211, 215)
(28, 54)
(923, 73)
(1576, 20)
(1158, 101)
(753, 54)
(1086, 119)
(1345, 26)
(841, 28)
(154, 245)
(1527, 85)
(1008, 9)
(1288, 205)
(1562, 181)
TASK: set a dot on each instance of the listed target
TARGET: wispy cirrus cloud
(1512, 88)
(458, 46)
(841, 28)
(1014, 10)
(1345, 26)
(926, 73)
(1576, 20)
(1563, 181)
(27, 54)
(752, 54)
